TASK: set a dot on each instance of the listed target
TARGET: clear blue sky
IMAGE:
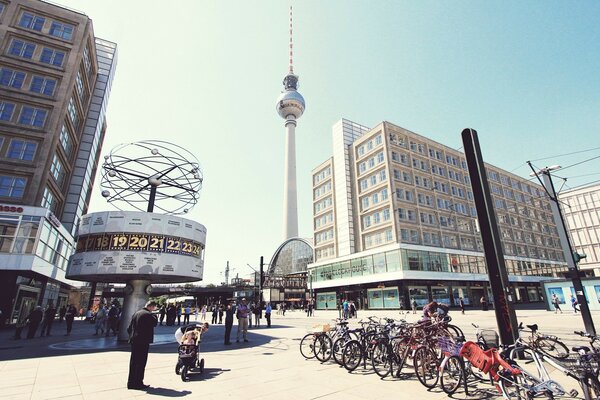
(205, 75)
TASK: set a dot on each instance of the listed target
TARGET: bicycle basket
(449, 346)
(580, 364)
(490, 338)
(321, 328)
(480, 359)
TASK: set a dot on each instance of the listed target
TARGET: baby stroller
(189, 350)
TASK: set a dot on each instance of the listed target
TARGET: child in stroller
(189, 338)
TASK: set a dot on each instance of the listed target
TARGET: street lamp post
(565, 244)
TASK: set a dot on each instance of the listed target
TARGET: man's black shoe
(138, 387)
(246, 340)
(227, 344)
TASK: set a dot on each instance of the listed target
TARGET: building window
(86, 60)
(378, 139)
(72, 110)
(21, 49)
(6, 111)
(49, 200)
(2, 6)
(57, 170)
(31, 21)
(11, 186)
(32, 116)
(52, 57)
(79, 85)
(21, 150)
(61, 30)
(42, 85)
(11, 78)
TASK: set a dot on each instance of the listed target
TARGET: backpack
(444, 308)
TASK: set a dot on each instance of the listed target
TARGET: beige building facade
(410, 217)
(581, 211)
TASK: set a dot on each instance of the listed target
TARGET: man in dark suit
(141, 334)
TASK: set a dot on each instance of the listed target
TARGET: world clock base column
(137, 292)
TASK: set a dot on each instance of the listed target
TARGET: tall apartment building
(395, 220)
(55, 79)
(581, 211)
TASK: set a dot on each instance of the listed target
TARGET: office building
(395, 220)
(55, 80)
(581, 211)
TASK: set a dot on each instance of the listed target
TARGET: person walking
(242, 315)
(268, 310)
(574, 304)
(141, 334)
(162, 312)
(100, 319)
(178, 310)
(214, 313)
(221, 310)
(203, 313)
(346, 308)
(61, 313)
(33, 321)
(257, 314)
(69, 318)
(353, 309)
(228, 323)
(186, 315)
(309, 309)
(483, 302)
(112, 321)
(413, 304)
(196, 313)
(461, 303)
(556, 303)
(171, 314)
(48, 320)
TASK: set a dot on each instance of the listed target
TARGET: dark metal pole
(492, 245)
(151, 198)
(260, 279)
(568, 253)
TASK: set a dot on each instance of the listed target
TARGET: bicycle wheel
(455, 331)
(323, 347)
(552, 347)
(426, 364)
(381, 360)
(352, 355)
(338, 349)
(307, 346)
(452, 375)
(513, 387)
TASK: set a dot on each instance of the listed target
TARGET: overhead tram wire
(566, 154)
(579, 163)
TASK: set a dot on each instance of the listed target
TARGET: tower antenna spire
(291, 45)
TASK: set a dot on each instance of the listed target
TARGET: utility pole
(492, 244)
(566, 245)
(261, 276)
(227, 274)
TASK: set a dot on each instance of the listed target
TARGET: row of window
(321, 190)
(37, 84)
(29, 116)
(374, 199)
(325, 252)
(38, 23)
(318, 177)
(27, 50)
(373, 180)
(376, 218)
(324, 220)
(323, 204)
(370, 145)
(324, 236)
(19, 149)
(370, 163)
(378, 238)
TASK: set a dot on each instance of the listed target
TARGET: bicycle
(357, 351)
(316, 344)
(547, 344)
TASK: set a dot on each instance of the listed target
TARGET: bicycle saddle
(577, 349)
(533, 327)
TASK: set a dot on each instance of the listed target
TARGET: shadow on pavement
(208, 373)
(164, 392)
(82, 341)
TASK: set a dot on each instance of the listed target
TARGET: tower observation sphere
(290, 102)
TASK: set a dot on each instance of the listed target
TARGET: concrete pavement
(82, 366)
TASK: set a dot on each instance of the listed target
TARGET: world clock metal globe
(151, 174)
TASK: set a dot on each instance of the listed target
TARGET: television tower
(290, 106)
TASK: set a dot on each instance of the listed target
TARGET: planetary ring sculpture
(151, 174)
